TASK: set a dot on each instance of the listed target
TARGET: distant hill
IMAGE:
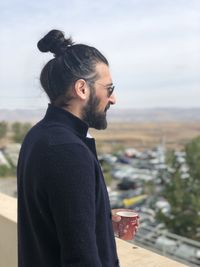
(115, 115)
(156, 115)
(22, 115)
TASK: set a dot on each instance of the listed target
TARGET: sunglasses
(110, 88)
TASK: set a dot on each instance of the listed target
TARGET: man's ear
(81, 89)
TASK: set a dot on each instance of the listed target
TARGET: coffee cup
(125, 228)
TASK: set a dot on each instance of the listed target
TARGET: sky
(153, 47)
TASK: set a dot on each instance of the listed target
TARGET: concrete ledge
(8, 231)
(131, 255)
(8, 207)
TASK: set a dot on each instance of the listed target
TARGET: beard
(90, 114)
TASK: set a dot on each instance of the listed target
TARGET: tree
(20, 130)
(3, 129)
(193, 158)
(183, 195)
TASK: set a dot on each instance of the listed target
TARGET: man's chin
(100, 123)
(101, 126)
(104, 126)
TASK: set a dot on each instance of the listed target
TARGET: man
(64, 216)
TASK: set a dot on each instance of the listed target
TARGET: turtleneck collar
(60, 115)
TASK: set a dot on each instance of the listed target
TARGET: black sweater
(64, 216)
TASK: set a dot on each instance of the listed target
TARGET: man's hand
(116, 218)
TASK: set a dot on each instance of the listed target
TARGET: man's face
(100, 99)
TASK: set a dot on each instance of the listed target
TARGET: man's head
(78, 76)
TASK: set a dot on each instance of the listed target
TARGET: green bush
(4, 171)
(3, 129)
(20, 130)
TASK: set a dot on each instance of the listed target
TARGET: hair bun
(54, 42)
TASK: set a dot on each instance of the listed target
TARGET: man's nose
(112, 99)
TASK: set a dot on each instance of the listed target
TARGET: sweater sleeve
(71, 192)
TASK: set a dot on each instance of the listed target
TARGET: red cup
(126, 228)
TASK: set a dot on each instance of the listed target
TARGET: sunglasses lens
(110, 90)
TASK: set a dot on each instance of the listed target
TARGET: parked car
(127, 184)
(189, 253)
(134, 201)
(166, 244)
(115, 200)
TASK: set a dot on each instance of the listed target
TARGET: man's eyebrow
(109, 84)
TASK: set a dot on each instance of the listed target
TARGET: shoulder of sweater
(53, 134)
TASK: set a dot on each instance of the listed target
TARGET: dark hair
(70, 63)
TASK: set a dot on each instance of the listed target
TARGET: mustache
(107, 107)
